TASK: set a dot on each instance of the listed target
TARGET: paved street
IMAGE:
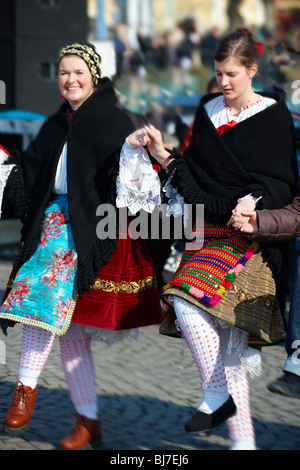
(147, 389)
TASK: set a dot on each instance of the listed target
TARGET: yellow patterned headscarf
(88, 54)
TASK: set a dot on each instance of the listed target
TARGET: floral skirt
(124, 296)
(43, 290)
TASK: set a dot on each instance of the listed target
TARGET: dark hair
(239, 44)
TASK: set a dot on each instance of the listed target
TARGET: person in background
(212, 87)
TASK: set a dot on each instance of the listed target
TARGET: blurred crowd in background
(159, 69)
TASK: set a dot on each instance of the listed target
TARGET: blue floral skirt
(44, 289)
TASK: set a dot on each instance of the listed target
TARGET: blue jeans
(292, 344)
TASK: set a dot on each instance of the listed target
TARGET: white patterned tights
(76, 358)
(205, 341)
(203, 337)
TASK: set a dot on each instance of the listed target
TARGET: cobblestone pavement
(147, 389)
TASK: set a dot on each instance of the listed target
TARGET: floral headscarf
(88, 54)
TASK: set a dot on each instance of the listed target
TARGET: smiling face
(234, 79)
(74, 80)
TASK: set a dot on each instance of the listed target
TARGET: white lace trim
(111, 337)
(175, 200)
(238, 351)
(138, 184)
(176, 206)
(4, 174)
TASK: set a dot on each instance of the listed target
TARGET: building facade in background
(31, 34)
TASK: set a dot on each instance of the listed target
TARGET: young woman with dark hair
(227, 294)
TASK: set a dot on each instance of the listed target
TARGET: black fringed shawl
(94, 137)
(256, 156)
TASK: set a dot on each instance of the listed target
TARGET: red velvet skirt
(125, 293)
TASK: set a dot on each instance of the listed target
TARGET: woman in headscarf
(73, 279)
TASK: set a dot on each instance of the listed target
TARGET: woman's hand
(250, 226)
(151, 137)
(156, 146)
(139, 138)
(239, 220)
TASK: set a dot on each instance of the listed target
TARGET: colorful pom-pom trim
(228, 281)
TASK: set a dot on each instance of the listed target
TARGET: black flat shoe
(201, 421)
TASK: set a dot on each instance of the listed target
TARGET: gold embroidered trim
(45, 326)
(125, 287)
(261, 301)
(10, 282)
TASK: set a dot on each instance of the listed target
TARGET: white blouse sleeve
(138, 184)
(5, 171)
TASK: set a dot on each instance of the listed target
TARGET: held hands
(250, 226)
(244, 217)
(151, 137)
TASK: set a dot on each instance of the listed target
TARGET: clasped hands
(244, 217)
(150, 137)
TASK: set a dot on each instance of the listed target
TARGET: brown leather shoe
(20, 412)
(85, 432)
